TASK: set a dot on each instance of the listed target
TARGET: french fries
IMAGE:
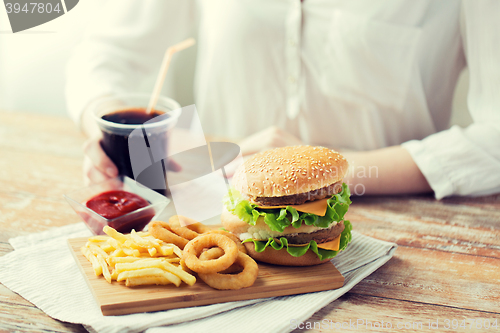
(136, 258)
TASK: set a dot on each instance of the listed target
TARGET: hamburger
(287, 205)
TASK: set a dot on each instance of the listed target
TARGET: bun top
(289, 170)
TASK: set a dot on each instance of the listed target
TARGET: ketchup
(114, 204)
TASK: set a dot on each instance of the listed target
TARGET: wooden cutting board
(116, 299)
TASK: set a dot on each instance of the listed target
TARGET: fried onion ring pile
(183, 221)
(173, 232)
(217, 256)
(165, 232)
(235, 239)
(243, 279)
(194, 248)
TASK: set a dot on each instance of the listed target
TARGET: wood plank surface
(438, 234)
(444, 266)
(39, 174)
(28, 318)
(52, 136)
(366, 313)
(26, 213)
(436, 277)
(117, 299)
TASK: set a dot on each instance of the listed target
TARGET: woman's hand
(268, 138)
(97, 166)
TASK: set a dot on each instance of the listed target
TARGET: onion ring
(186, 222)
(162, 230)
(244, 279)
(185, 268)
(235, 239)
(194, 247)
(192, 224)
(215, 253)
(174, 220)
(184, 232)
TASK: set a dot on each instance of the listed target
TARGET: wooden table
(447, 265)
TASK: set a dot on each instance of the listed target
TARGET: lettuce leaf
(279, 218)
(297, 251)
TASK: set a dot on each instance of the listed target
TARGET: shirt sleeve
(467, 161)
(122, 47)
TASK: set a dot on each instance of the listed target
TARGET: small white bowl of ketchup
(120, 203)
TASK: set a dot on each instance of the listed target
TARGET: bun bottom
(282, 257)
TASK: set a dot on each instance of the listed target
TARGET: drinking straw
(164, 68)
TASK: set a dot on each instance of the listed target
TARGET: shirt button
(292, 42)
(292, 79)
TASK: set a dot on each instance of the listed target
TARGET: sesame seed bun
(289, 170)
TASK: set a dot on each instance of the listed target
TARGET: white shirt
(358, 74)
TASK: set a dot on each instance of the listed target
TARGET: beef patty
(320, 236)
(298, 199)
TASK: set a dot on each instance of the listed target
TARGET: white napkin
(42, 270)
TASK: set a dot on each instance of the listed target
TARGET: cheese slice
(333, 245)
(317, 207)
